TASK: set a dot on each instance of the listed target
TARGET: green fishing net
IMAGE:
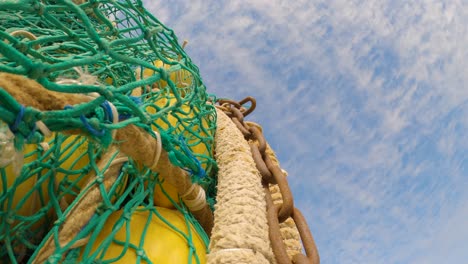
(135, 72)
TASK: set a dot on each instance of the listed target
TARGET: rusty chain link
(272, 174)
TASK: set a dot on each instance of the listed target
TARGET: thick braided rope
(240, 232)
(86, 207)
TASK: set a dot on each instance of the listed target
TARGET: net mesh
(135, 72)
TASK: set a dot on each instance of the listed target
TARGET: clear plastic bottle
(8, 153)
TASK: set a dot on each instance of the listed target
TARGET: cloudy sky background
(366, 105)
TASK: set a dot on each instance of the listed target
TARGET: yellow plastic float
(161, 243)
(181, 78)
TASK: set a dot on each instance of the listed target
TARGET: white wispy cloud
(365, 103)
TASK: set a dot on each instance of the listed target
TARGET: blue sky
(365, 103)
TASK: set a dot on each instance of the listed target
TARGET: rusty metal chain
(272, 174)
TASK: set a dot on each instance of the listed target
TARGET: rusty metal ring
(238, 114)
(228, 101)
(258, 135)
(240, 126)
(260, 164)
(287, 207)
(253, 105)
(307, 239)
(276, 240)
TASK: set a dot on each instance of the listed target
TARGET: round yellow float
(27, 197)
(159, 241)
(69, 177)
(182, 79)
(161, 198)
(73, 159)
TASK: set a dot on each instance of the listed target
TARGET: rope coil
(157, 150)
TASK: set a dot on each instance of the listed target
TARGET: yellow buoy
(74, 164)
(181, 78)
(161, 198)
(31, 190)
(24, 194)
(159, 241)
(70, 159)
(74, 158)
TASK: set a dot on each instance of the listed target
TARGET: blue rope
(87, 125)
(124, 116)
(108, 111)
(201, 172)
(18, 119)
(136, 100)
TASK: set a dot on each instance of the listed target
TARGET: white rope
(84, 78)
(157, 150)
(45, 146)
(189, 191)
(43, 128)
(115, 116)
(8, 152)
(116, 161)
(198, 202)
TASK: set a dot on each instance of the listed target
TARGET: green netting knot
(108, 94)
(151, 31)
(38, 7)
(22, 47)
(127, 216)
(55, 258)
(72, 257)
(37, 70)
(163, 73)
(24, 127)
(93, 3)
(10, 217)
(58, 222)
(141, 253)
(104, 46)
(99, 178)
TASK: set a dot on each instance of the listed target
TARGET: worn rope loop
(43, 128)
(45, 146)
(158, 149)
(189, 191)
(198, 202)
(26, 34)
